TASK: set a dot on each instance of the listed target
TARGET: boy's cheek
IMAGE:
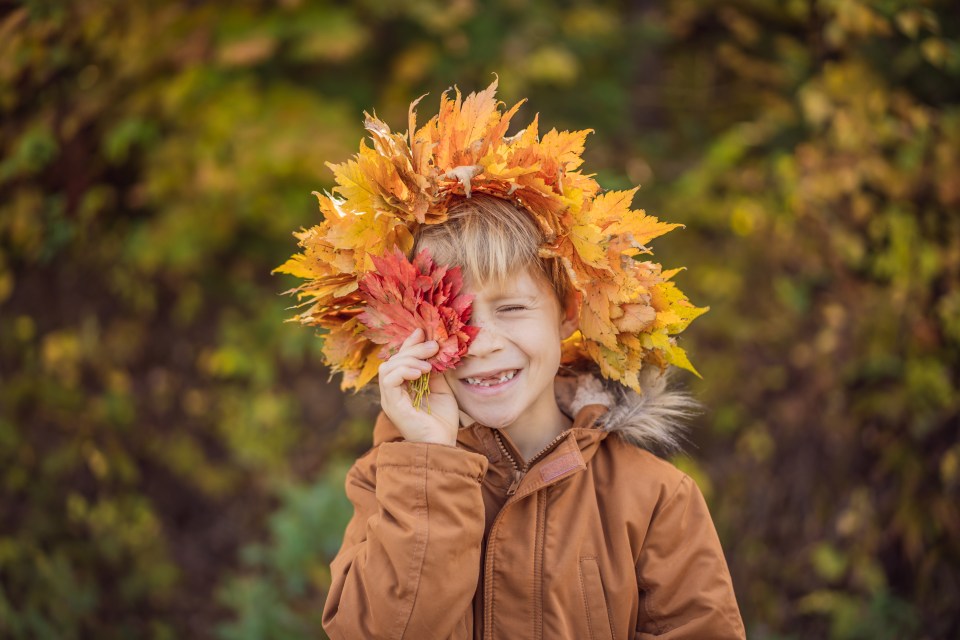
(450, 375)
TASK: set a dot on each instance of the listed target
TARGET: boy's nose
(486, 341)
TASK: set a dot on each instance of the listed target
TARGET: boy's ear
(570, 315)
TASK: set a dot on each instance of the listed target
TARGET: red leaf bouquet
(401, 296)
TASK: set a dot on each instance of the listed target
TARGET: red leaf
(401, 296)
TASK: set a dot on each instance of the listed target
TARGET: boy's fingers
(405, 363)
(405, 360)
(395, 378)
(418, 366)
(421, 350)
(413, 338)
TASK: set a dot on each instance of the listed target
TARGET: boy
(523, 503)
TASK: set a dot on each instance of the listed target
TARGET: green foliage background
(171, 454)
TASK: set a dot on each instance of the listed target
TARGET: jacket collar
(584, 434)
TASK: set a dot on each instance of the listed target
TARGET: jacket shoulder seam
(684, 479)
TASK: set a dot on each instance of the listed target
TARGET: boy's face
(507, 376)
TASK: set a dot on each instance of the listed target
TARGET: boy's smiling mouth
(496, 379)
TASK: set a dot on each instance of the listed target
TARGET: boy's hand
(438, 418)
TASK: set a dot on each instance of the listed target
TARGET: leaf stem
(419, 390)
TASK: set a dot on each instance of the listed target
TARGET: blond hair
(491, 239)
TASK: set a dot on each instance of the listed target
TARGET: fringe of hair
(491, 239)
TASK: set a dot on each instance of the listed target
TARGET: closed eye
(513, 307)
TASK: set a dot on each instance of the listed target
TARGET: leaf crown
(630, 310)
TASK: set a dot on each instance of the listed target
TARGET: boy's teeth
(487, 382)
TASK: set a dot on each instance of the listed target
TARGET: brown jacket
(597, 539)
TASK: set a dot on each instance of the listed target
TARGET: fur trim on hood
(654, 420)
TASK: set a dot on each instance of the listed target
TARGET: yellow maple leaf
(368, 372)
(354, 185)
(297, 265)
(565, 147)
(676, 356)
(588, 241)
(635, 318)
(596, 327)
(367, 234)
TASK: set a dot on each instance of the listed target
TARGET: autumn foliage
(631, 312)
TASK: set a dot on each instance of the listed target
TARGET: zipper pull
(517, 477)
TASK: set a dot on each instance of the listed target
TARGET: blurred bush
(833, 271)
(171, 454)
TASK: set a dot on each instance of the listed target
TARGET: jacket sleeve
(685, 586)
(410, 559)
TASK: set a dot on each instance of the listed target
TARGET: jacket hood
(654, 420)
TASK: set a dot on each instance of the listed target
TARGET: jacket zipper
(518, 471)
(518, 474)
